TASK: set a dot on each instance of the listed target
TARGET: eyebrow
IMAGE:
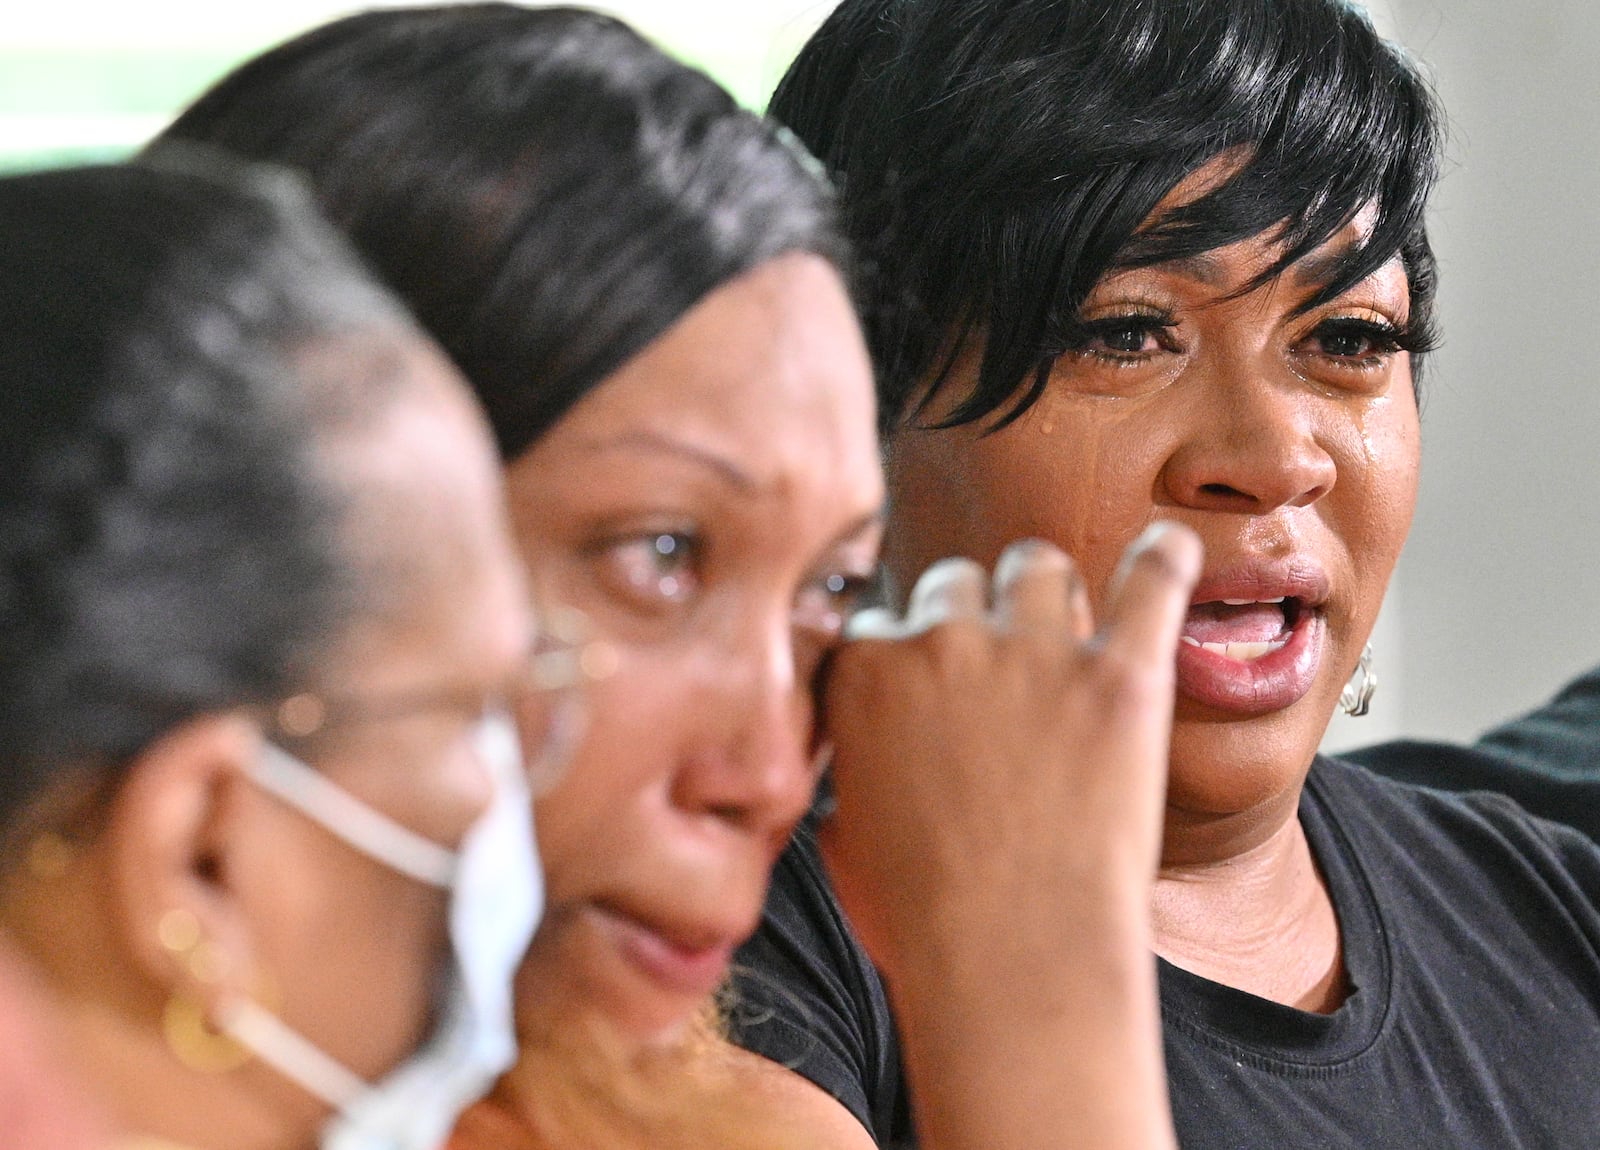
(656, 443)
(1320, 267)
(1315, 268)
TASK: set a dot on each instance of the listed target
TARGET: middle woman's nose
(752, 768)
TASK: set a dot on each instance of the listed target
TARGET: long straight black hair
(546, 190)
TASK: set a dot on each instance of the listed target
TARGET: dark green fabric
(1548, 760)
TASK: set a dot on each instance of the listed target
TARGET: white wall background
(1497, 602)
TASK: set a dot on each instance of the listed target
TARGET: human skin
(744, 436)
(342, 948)
(1290, 444)
(742, 440)
(1000, 770)
(41, 1108)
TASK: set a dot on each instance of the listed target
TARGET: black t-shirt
(1470, 933)
(1472, 942)
(807, 995)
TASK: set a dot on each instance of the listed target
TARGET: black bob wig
(997, 159)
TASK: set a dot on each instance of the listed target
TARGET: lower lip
(685, 970)
(1277, 680)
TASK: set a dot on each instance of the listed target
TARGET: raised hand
(1000, 767)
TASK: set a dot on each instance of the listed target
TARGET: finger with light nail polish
(1149, 595)
(949, 589)
(1037, 587)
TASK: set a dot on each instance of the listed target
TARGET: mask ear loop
(292, 1056)
(391, 1107)
(346, 817)
(372, 833)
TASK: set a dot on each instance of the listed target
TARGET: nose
(1250, 447)
(752, 770)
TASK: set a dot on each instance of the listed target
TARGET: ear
(166, 845)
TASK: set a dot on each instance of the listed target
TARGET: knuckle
(1126, 682)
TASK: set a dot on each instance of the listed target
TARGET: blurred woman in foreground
(265, 833)
(645, 288)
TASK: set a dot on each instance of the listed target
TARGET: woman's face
(1288, 442)
(712, 507)
(353, 946)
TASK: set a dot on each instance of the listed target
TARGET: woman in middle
(643, 284)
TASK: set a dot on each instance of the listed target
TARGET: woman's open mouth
(1253, 643)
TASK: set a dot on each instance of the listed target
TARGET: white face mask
(496, 899)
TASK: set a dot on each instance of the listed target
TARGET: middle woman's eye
(657, 568)
(824, 605)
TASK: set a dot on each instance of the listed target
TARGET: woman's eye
(1123, 338)
(823, 606)
(1356, 339)
(656, 567)
(1126, 339)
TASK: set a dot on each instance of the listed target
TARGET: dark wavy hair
(996, 160)
(546, 190)
(168, 544)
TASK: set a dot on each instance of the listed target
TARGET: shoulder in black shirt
(1468, 931)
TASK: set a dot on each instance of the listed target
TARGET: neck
(1258, 919)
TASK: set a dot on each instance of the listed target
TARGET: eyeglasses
(544, 695)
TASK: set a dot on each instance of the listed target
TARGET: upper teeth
(1247, 602)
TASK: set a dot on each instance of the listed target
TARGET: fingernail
(1150, 536)
(1147, 539)
(872, 623)
(1019, 556)
(950, 586)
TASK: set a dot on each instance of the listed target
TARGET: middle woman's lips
(694, 968)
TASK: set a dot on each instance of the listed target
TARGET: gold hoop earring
(194, 1041)
(1356, 698)
(191, 1037)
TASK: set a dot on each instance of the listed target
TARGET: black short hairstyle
(546, 190)
(168, 545)
(996, 160)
